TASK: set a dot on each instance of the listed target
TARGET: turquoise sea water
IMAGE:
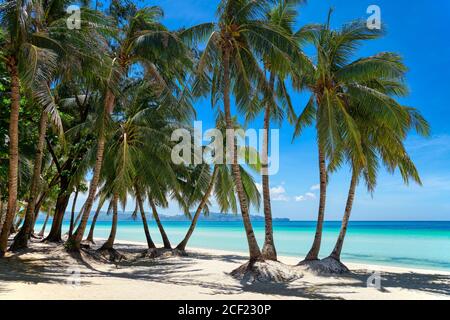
(407, 244)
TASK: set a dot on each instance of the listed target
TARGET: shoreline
(47, 271)
(292, 260)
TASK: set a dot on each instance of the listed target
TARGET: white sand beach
(46, 271)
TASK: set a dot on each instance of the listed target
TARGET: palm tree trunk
(2, 214)
(254, 251)
(21, 239)
(58, 217)
(13, 169)
(74, 242)
(164, 236)
(336, 254)
(269, 252)
(112, 235)
(13, 228)
(313, 253)
(41, 233)
(37, 208)
(150, 243)
(72, 213)
(90, 237)
(182, 245)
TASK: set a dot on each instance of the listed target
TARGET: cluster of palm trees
(102, 101)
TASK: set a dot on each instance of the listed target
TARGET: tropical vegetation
(91, 110)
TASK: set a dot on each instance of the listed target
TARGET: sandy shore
(47, 272)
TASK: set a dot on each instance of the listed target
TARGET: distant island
(213, 216)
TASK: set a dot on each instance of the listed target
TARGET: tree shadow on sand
(430, 283)
(184, 271)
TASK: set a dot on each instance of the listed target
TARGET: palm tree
(139, 152)
(144, 40)
(234, 43)
(19, 54)
(336, 84)
(201, 184)
(47, 34)
(380, 143)
(282, 15)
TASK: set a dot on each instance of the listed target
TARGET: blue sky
(418, 30)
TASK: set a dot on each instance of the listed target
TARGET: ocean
(418, 244)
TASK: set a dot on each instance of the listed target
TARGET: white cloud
(307, 196)
(315, 187)
(276, 193)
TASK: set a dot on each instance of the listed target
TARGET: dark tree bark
(182, 245)
(2, 214)
(13, 169)
(164, 236)
(21, 239)
(61, 204)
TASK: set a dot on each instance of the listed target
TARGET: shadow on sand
(184, 271)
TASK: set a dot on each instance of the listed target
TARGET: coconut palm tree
(63, 49)
(278, 102)
(140, 151)
(381, 144)
(220, 183)
(27, 63)
(229, 63)
(336, 84)
(142, 39)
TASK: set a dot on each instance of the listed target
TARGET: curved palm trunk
(41, 233)
(269, 252)
(21, 239)
(254, 251)
(74, 242)
(313, 253)
(336, 254)
(60, 208)
(37, 208)
(150, 243)
(164, 236)
(72, 213)
(112, 235)
(90, 237)
(13, 169)
(183, 243)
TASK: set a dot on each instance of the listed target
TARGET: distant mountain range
(213, 216)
